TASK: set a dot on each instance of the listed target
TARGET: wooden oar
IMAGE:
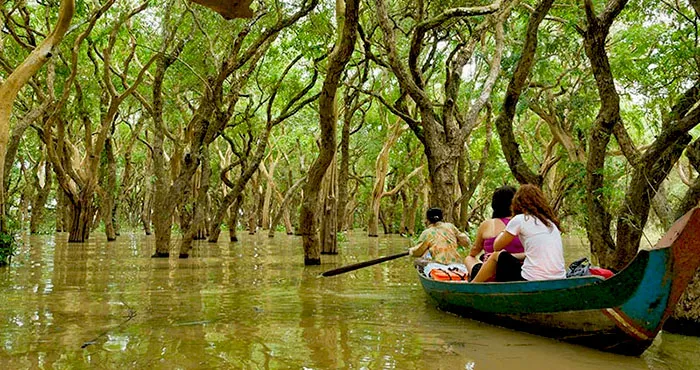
(357, 266)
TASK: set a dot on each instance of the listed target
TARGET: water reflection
(252, 304)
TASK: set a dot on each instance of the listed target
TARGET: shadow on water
(254, 305)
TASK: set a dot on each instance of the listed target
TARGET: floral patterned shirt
(441, 240)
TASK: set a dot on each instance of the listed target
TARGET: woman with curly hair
(538, 229)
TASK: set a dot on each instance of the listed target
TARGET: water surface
(253, 305)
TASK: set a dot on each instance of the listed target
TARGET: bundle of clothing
(583, 267)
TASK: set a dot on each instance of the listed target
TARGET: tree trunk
(146, 209)
(442, 165)
(686, 316)
(247, 175)
(692, 195)
(504, 122)
(383, 220)
(39, 202)
(442, 133)
(233, 218)
(18, 78)
(61, 220)
(284, 207)
(199, 206)
(267, 201)
(18, 132)
(469, 179)
(109, 189)
(381, 167)
(599, 220)
(327, 121)
(81, 218)
(645, 181)
(411, 217)
(329, 221)
(251, 209)
(23, 210)
(404, 212)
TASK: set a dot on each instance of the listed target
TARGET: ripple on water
(253, 304)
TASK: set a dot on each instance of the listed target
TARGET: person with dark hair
(489, 229)
(439, 241)
(538, 229)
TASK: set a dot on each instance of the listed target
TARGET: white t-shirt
(544, 254)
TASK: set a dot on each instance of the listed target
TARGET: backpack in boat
(580, 267)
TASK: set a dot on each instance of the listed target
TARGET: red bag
(601, 272)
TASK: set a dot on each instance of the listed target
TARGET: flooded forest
(175, 174)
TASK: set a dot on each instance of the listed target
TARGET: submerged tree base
(184, 255)
(311, 261)
(330, 253)
(161, 255)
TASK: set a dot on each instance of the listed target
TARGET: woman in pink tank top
(489, 229)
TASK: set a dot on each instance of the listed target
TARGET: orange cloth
(447, 275)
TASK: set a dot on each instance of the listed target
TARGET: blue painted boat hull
(622, 314)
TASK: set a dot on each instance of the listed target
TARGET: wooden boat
(622, 314)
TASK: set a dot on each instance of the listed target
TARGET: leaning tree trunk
(381, 167)
(504, 122)
(284, 207)
(18, 78)
(327, 120)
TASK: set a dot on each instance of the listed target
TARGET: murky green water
(253, 305)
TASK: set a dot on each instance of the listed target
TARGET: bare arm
(503, 239)
(462, 238)
(421, 247)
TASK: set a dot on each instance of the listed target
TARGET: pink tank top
(515, 246)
